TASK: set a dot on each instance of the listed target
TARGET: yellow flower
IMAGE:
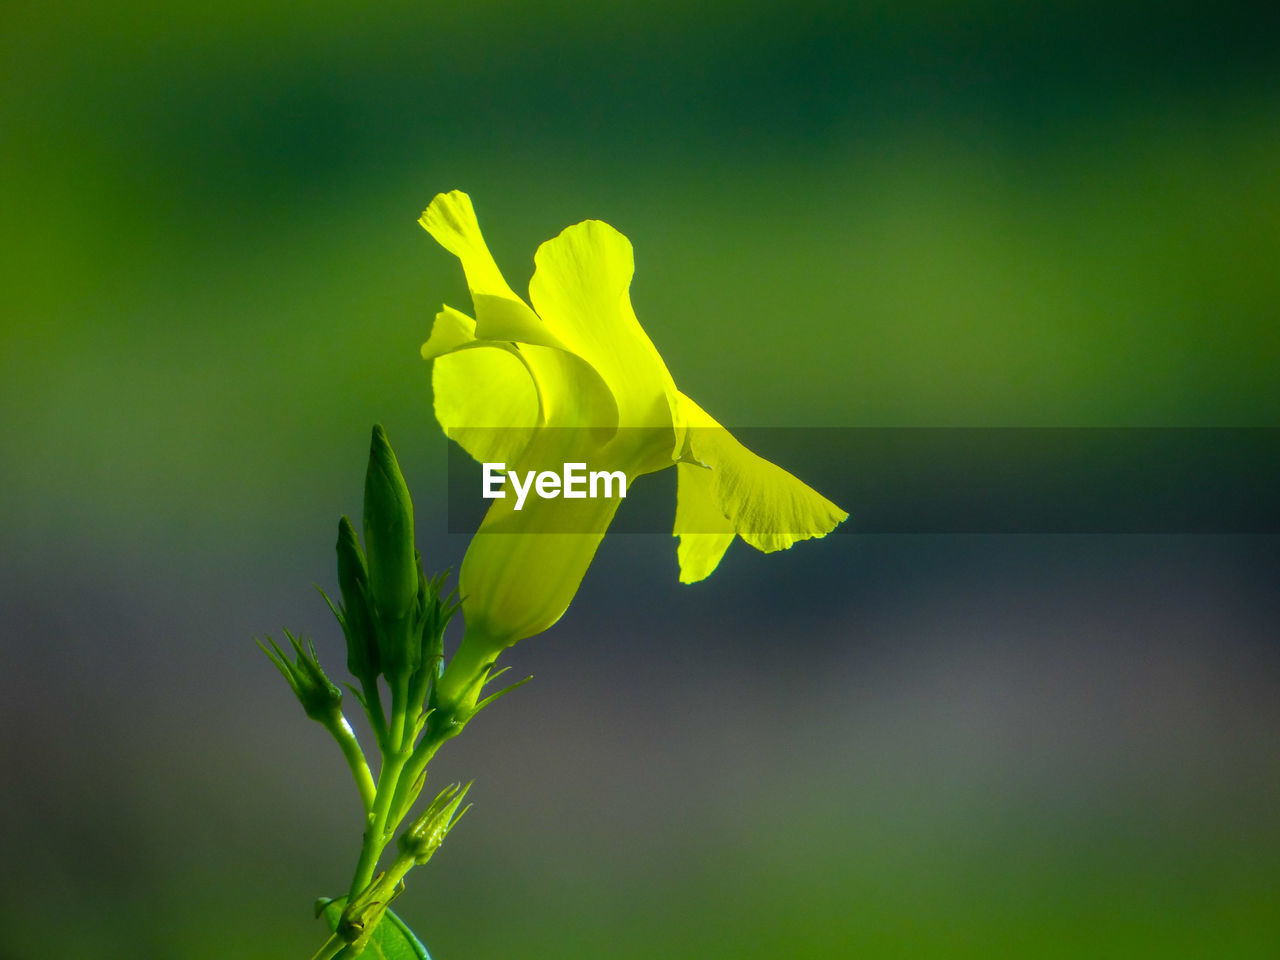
(574, 378)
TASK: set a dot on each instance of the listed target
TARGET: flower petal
(452, 329)
(704, 531)
(580, 288)
(486, 397)
(768, 507)
(487, 442)
(500, 314)
(570, 391)
(566, 391)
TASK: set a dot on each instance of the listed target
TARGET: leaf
(391, 940)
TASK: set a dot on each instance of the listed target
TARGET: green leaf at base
(391, 939)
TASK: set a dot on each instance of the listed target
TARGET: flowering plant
(568, 378)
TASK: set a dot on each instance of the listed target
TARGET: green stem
(350, 748)
(376, 899)
(413, 769)
(330, 949)
(396, 872)
(393, 795)
(376, 834)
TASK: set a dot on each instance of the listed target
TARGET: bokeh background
(845, 214)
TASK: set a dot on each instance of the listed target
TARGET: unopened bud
(388, 532)
(320, 699)
(353, 580)
(428, 832)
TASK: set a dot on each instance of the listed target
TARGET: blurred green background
(911, 214)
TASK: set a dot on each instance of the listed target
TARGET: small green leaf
(391, 940)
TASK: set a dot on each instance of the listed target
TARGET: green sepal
(501, 693)
(358, 695)
(391, 938)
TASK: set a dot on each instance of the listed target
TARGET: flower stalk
(393, 617)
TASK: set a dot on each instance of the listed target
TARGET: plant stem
(417, 763)
(394, 757)
(330, 949)
(350, 748)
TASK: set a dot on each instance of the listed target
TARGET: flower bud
(388, 533)
(320, 699)
(428, 832)
(358, 624)
(438, 610)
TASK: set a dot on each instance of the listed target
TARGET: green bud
(320, 699)
(434, 620)
(437, 610)
(361, 914)
(388, 533)
(422, 599)
(428, 832)
(432, 616)
(357, 620)
(405, 638)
